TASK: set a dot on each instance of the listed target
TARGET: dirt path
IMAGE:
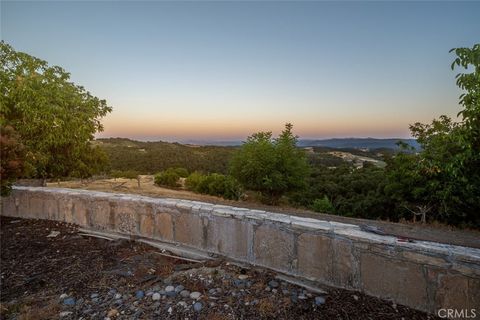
(436, 233)
(50, 271)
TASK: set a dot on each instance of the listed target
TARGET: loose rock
(319, 300)
(139, 294)
(198, 306)
(171, 294)
(185, 293)
(179, 288)
(69, 302)
(195, 295)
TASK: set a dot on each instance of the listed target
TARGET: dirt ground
(429, 232)
(49, 271)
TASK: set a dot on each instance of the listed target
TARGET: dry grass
(50, 310)
(165, 270)
(147, 187)
(266, 308)
(28, 312)
(195, 285)
(216, 316)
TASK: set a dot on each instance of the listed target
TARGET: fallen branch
(119, 185)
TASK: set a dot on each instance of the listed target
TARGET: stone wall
(423, 275)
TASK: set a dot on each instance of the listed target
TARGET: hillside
(358, 143)
(152, 157)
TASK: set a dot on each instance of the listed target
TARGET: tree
(465, 167)
(11, 165)
(55, 119)
(271, 166)
(445, 176)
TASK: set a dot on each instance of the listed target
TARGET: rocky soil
(49, 270)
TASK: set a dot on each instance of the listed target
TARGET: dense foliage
(346, 191)
(152, 157)
(55, 119)
(323, 205)
(450, 160)
(214, 184)
(168, 178)
(271, 166)
(12, 155)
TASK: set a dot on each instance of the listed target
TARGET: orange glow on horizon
(223, 128)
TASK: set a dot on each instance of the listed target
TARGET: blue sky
(222, 70)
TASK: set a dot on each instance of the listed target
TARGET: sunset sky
(222, 70)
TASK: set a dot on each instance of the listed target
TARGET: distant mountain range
(355, 143)
(358, 143)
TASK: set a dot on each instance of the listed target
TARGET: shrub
(182, 172)
(168, 178)
(193, 180)
(323, 205)
(232, 189)
(214, 184)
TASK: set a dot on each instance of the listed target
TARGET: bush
(232, 189)
(193, 180)
(323, 205)
(214, 184)
(182, 172)
(168, 178)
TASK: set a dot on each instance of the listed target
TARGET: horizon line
(192, 140)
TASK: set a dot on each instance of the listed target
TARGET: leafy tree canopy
(55, 119)
(446, 173)
(13, 152)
